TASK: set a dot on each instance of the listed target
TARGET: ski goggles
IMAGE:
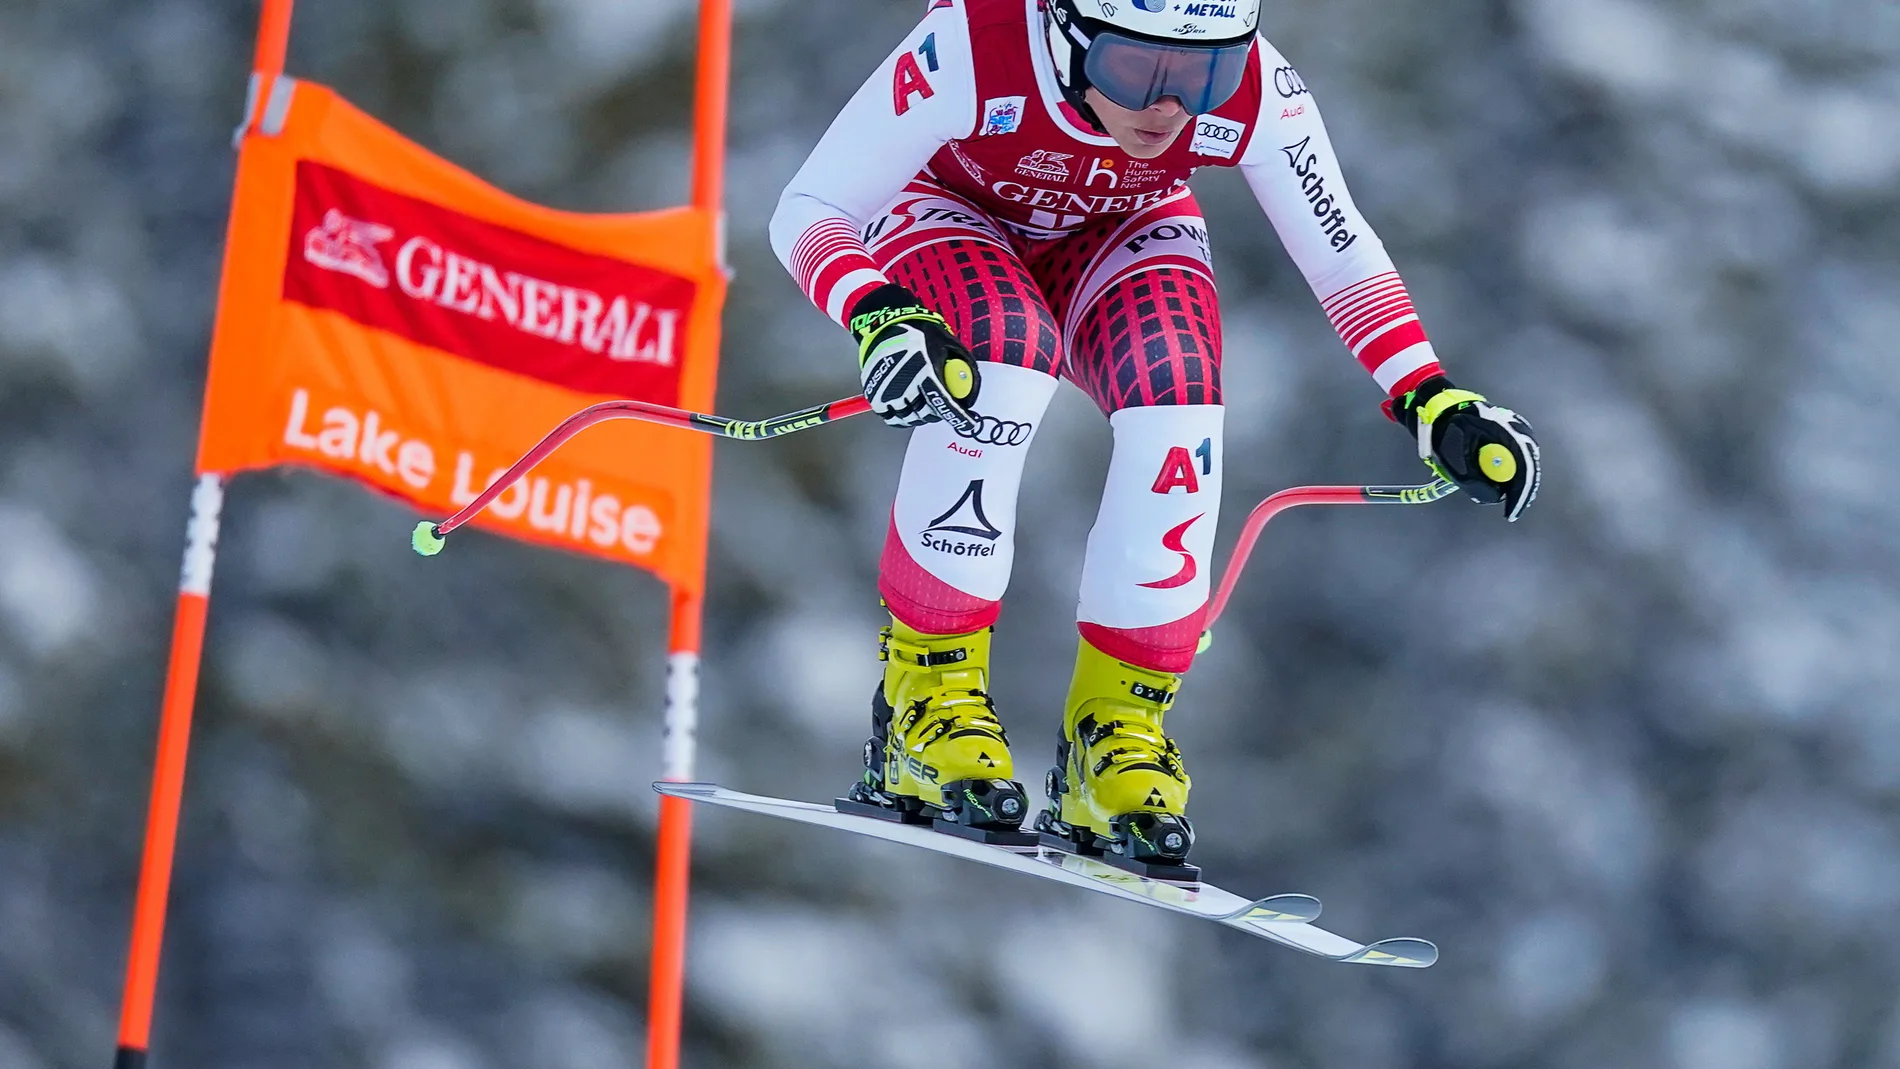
(1135, 73)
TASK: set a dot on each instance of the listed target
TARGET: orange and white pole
(672, 857)
(168, 774)
(181, 675)
(666, 981)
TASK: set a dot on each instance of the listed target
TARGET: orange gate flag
(389, 317)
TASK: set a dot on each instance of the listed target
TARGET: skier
(1003, 204)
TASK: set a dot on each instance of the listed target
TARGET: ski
(1284, 919)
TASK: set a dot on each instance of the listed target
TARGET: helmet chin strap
(1067, 57)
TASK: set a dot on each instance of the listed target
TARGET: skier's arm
(1295, 176)
(923, 95)
(1487, 449)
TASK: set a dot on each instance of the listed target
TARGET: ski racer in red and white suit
(962, 178)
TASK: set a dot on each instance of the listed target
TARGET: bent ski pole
(1312, 495)
(427, 538)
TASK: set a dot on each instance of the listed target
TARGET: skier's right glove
(914, 369)
(1485, 449)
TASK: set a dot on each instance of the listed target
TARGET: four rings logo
(993, 431)
(1215, 136)
(1288, 83)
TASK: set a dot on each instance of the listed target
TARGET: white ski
(1284, 919)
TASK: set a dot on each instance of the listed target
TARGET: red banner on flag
(489, 293)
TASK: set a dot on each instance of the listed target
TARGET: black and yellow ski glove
(1486, 450)
(914, 370)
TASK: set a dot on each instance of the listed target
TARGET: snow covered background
(1634, 763)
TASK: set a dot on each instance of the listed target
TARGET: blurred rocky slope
(1633, 763)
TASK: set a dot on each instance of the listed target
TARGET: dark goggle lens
(1136, 74)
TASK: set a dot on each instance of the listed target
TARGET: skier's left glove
(1485, 449)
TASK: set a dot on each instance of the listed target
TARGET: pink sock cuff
(922, 601)
(1166, 647)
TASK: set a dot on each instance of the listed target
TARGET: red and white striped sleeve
(1376, 320)
(1294, 174)
(923, 95)
(830, 264)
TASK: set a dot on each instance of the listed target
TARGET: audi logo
(1217, 133)
(1288, 83)
(993, 431)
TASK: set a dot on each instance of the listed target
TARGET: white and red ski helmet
(1137, 51)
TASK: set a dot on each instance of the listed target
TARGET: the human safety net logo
(485, 292)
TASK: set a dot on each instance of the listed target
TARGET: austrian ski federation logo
(349, 245)
(1051, 166)
(1002, 115)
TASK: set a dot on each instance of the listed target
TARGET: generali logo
(1044, 164)
(620, 329)
(348, 245)
(495, 295)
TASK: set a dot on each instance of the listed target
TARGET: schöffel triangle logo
(967, 515)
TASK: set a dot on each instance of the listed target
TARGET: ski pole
(427, 538)
(1312, 495)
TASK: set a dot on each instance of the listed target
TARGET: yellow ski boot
(1118, 790)
(937, 754)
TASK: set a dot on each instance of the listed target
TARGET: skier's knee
(1018, 331)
